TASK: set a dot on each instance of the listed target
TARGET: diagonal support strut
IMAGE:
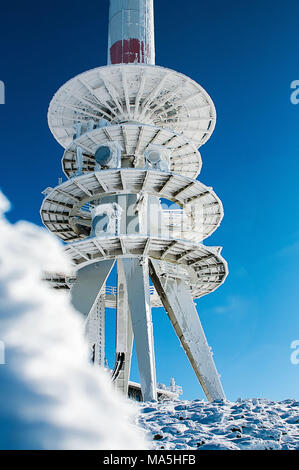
(90, 280)
(180, 307)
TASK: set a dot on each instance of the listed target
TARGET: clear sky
(245, 54)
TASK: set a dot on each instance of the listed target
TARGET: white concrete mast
(131, 37)
(131, 131)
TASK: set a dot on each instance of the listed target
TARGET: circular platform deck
(207, 263)
(205, 267)
(133, 93)
(134, 139)
(71, 198)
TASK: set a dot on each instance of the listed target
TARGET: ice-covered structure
(131, 131)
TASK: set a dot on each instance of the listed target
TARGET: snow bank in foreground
(247, 424)
(50, 397)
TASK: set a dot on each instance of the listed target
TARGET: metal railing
(174, 223)
(112, 290)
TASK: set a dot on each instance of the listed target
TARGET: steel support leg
(137, 284)
(90, 280)
(180, 307)
(95, 330)
(124, 332)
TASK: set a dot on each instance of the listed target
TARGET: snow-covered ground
(252, 424)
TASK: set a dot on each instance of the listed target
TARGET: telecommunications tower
(132, 199)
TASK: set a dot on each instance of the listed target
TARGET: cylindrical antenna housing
(131, 32)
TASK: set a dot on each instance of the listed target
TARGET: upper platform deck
(125, 93)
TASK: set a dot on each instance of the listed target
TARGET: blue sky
(245, 54)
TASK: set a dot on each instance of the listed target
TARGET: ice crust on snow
(51, 398)
(252, 424)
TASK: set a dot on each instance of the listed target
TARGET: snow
(252, 424)
(51, 398)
